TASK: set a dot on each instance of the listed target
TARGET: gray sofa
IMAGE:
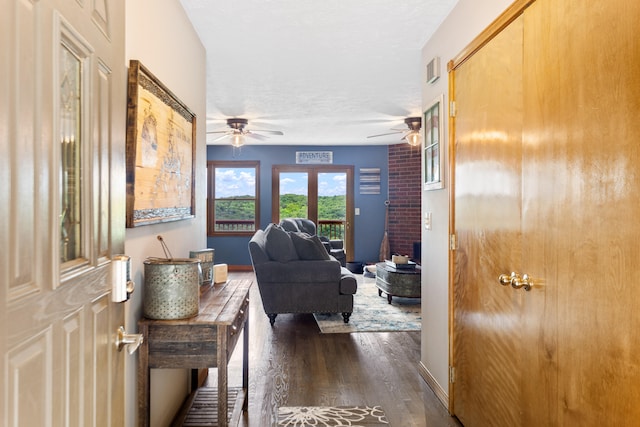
(295, 274)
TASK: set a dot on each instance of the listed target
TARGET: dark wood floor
(293, 364)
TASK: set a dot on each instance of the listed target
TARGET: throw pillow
(278, 244)
(309, 247)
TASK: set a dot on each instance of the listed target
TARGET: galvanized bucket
(171, 288)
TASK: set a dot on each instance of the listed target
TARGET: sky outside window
(329, 184)
(232, 182)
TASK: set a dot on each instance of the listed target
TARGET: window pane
(235, 199)
(70, 157)
(332, 204)
(294, 196)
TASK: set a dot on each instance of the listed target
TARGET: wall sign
(314, 157)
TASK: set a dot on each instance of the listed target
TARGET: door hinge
(452, 108)
(452, 374)
(453, 242)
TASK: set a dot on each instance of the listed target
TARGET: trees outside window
(232, 199)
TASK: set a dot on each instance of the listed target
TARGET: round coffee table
(399, 282)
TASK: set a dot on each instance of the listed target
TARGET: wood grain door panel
(581, 202)
(487, 315)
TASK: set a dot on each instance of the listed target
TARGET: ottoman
(400, 282)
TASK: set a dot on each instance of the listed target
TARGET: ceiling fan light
(237, 140)
(414, 138)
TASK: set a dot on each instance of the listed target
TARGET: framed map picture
(161, 140)
(433, 158)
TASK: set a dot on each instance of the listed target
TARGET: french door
(324, 194)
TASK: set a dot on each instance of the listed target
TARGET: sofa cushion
(289, 224)
(309, 247)
(279, 245)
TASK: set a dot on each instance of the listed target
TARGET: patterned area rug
(331, 416)
(372, 313)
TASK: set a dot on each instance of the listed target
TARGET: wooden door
(570, 357)
(62, 131)
(581, 203)
(487, 320)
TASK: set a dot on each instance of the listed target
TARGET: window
(232, 203)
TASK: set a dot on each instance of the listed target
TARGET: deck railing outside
(235, 225)
(333, 229)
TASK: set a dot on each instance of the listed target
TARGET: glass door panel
(294, 195)
(332, 204)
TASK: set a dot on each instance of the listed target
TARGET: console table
(203, 341)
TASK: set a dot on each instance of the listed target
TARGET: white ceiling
(324, 72)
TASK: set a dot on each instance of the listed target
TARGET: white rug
(328, 416)
(372, 313)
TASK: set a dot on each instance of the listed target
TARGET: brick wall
(405, 190)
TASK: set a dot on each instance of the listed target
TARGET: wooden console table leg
(223, 398)
(144, 388)
(245, 363)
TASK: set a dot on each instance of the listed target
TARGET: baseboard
(440, 393)
(240, 268)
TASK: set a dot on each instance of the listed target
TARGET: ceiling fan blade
(219, 131)
(221, 137)
(384, 134)
(271, 132)
(255, 135)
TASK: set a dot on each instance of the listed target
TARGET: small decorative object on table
(220, 273)
(400, 262)
(206, 264)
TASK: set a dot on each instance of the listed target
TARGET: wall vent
(433, 70)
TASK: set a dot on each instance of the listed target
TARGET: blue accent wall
(368, 226)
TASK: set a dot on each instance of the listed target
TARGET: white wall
(467, 20)
(162, 38)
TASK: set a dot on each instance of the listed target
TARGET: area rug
(331, 416)
(372, 313)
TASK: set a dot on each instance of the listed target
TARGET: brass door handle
(524, 282)
(506, 279)
(516, 281)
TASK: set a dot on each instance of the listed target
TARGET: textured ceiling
(324, 72)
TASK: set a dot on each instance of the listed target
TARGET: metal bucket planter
(171, 288)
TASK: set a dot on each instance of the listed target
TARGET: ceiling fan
(238, 131)
(412, 135)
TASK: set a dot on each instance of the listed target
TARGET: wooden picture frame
(160, 152)
(432, 144)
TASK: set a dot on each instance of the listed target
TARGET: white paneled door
(62, 131)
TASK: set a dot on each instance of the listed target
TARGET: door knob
(506, 279)
(522, 282)
(516, 281)
(131, 341)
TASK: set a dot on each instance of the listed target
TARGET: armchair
(334, 247)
